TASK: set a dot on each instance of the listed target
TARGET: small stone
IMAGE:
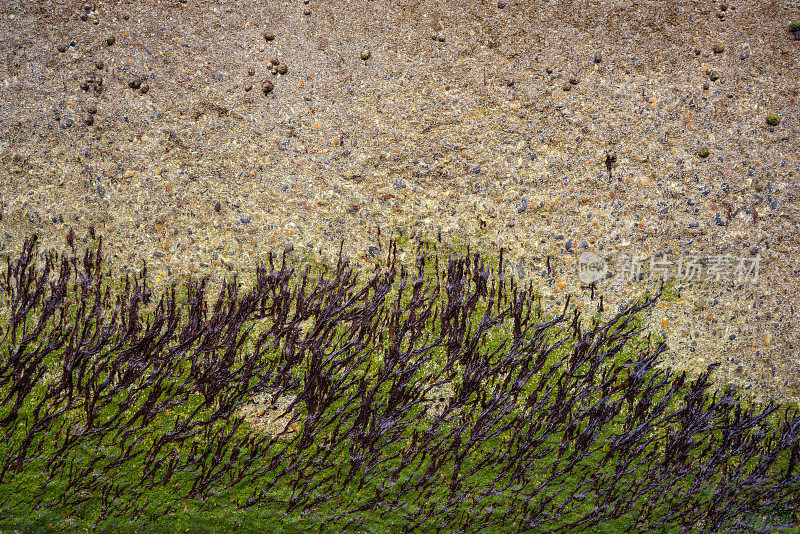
(110, 40)
(145, 87)
(91, 108)
(440, 38)
(245, 220)
(68, 123)
(307, 97)
(373, 250)
(136, 83)
(99, 64)
(476, 170)
(573, 80)
(84, 17)
(509, 83)
(694, 224)
(365, 54)
(501, 5)
(705, 86)
(598, 58)
(62, 48)
(713, 75)
(548, 70)
(744, 55)
(568, 245)
(251, 71)
(523, 205)
(269, 36)
(248, 87)
(274, 60)
(773, 120)
(306, 12)
(267, 87)
(288, 248)
(282, 69)
(718, 49)
(217, 207)
(567, 87)
(794, 27)
(718, 220)
(703, 153)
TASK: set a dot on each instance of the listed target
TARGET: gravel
(425, 136)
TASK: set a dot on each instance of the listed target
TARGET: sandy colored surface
(452, 126)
